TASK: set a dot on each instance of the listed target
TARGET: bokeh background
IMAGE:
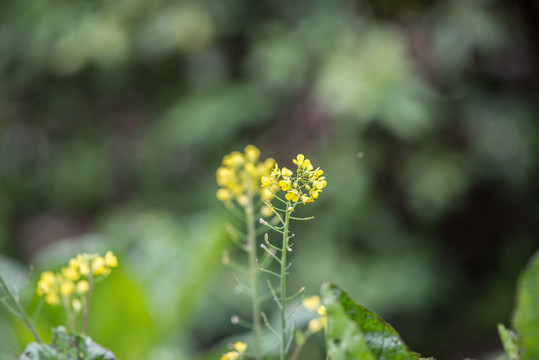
(114, 116)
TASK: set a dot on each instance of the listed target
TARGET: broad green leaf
(35, 351)
(526, 319)
(67, 347)
(510, 342)
(354, 332)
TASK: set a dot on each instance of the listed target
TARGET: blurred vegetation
(115, 115)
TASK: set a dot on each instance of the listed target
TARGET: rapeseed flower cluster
(72, 283)
(305, 186)
(239, 175)
(313, 304)
(237, 353)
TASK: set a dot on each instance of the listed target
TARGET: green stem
(284, 250)
(69, 313)
(253, 276)
(21, 310)
(87, 305)
(298, 348)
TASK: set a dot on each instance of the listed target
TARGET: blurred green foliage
(115, 115)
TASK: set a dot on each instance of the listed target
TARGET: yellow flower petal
(311, 303)
(240, 347)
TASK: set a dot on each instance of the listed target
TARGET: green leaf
(510, 342)
(35, 351)
(354, 332)
(526, 319)
(67, 346)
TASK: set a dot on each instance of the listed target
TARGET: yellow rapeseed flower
(315, 325)
(305, 186)
(67, 287)
(252, 153)
(231, 355)
(82, 287)
(52, 299)
(286, 172)
(241, 175)
(240, 347)
(110, 259)
(71, 273)
(311, 303)
(76, 305)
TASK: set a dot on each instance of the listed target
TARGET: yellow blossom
(224, 195)
(67, 287)
(231, 355)
(98, 265)
(240, 347)
(285, 185)
(76, 305)
(233, 159)
(241, 175)
(84, 268)
(252, 153)
(46, 284)
(52, 299)
(287, 172)
(311, 303)
(266, 195)
(315, 325)
(71, 273)
(266, 211)
(305, 186)
(82, 287)
(266, 182)
(275, 172)
(321, 310)
(292, 195)
(110, 259)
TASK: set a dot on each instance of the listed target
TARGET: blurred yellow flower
(311, 303)
(240, 347)
(110, 259)
(52, 299)
(67, 287)
(71, 283)
(76, 305)
(240, 175)
(231, 355)
(82, 287)
(315, 325)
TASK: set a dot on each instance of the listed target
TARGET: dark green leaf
(355, 332)
(510, 342)
(35, 351)
(67, 347)
(526, 319)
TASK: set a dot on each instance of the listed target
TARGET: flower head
(231, 355)
(240, 347)
(71, 283)
(313, 304)
(240, 175)
(304, 186)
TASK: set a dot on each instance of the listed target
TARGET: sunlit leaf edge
(367, 321)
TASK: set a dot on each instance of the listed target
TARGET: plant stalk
(21, 310)
(87, 305)
(253, 276)
(283, 282)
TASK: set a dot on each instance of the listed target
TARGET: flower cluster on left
(239, 176)
(72, 286)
